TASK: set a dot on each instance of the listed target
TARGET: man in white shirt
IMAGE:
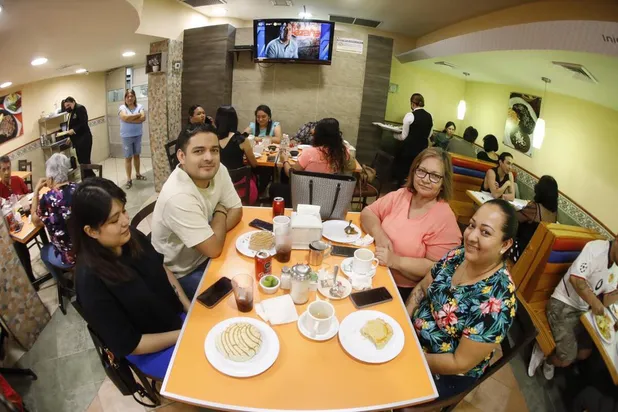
(590, 283)
(197, 206)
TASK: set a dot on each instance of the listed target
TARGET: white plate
(333, 231)
(242, 245)
(6, 101)
(345, 284)
(611, 329)
(334, 328)
(346, 268)
(303, 146)
(269, 351)
(257, 155)
(362, 348)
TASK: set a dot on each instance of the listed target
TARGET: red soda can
(263, 264)
(278, 206)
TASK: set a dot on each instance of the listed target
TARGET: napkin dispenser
(306, 227)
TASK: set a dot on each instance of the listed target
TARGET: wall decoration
(156, 62)
(522, 114)
(10, 117)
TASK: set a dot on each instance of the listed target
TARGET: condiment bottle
(286, 278)
(301, 278)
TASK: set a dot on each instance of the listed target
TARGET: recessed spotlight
(128, 54)
(305, 15)
(218, 12)
(38, 61)
(5, 85)
(80, 71)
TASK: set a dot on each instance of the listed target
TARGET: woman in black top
(79, 132)
(490, 147)
(128, 298)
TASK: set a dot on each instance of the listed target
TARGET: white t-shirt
(590, 265)
(182, 216)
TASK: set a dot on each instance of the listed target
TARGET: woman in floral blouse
(463, 308)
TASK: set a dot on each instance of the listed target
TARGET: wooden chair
(143, 214)
(383, 165)
(26, 166)
(242, 182)
(93, 167)
(542, 265)
(170, 151)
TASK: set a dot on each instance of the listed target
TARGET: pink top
(312, 159)
(429, 236)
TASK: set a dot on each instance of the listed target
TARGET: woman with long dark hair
(131, 116)
(443, 138)
(235, 147)
(264, 126)
(490, 149)
(128, 298)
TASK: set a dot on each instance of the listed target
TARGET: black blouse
(121, 313)
(232, 154)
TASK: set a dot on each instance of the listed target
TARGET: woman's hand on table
(386, 257)
(383, 241)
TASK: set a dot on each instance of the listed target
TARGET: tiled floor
(72, 379)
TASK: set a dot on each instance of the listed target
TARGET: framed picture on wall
(522, 112)
(156, 62)
(10, 117)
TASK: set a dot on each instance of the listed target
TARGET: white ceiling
(91, 34)
(409, 17)
(524, 68)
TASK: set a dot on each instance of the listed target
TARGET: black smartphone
(345, 251)
(215, 292)
(370, 297)
(260, 224)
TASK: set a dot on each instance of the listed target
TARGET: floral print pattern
(55, 210)
(482, 312)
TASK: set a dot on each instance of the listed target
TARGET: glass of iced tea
(242, 285)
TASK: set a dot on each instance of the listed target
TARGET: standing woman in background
(131, 118)
(79, 132)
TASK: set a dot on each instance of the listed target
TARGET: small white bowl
(271, 290)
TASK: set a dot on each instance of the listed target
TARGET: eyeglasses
(433, 177)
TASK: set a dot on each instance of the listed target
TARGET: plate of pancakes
(241, 347)
(371, 336)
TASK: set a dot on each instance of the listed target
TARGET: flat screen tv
(293, 41)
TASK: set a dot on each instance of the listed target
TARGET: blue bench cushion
(468, 172)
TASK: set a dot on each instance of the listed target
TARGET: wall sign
(10, 117)
(346, 45)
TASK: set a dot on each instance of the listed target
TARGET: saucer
(346, 267)
(334, 328)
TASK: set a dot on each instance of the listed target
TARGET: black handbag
(333, 193)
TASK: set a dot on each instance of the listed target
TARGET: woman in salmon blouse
(414, 226)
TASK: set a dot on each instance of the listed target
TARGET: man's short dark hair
(186, 135)
(470, 134)
(503, 156)
(5, 159)
(69, 99)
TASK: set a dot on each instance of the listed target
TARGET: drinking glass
(283, 238)
(242, 285)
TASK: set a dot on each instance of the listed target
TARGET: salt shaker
(286, 278)
(301, 278)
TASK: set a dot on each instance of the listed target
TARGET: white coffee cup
(364, 261)
(319, 317)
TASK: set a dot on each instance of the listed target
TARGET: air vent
(282, 3)
(447, 64)
(355, 20)
(73, 66)
(200, 3)
(579, 71)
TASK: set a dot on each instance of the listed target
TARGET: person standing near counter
(79, 132)
(415, 133)
(131, 118)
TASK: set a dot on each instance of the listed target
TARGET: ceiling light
(218, 12)
(5, 85)
(128, 54)
(38, 61)
(305, 14)
(80, 71)
(539, 129)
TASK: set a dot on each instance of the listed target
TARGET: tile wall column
(164, 114)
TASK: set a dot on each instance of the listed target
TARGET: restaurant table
(609, 352)
(263, 160)
(307, 375)
(481, 197)
(24, 175)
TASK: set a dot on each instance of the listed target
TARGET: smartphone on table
(261, 224)
(215, 293)
(371, 297)
(345, 251)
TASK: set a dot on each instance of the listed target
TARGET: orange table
(23, 175)
(307, 375)
(263, 160)
(28, 231)
(609, 352)
(481, 197)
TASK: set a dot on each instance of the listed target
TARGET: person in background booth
(466, 146)
(79, 132)
(465, 305)
(589, 284)
(544, 208)
(235, 147)
(415, 132)
(264, 126)
(305, 133)
(130, 300)
(443, 138)
(490, 147)
(415, 226)
(499, 181)
(131, 116)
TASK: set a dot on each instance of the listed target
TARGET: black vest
(418, 134)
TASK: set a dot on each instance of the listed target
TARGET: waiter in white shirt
(415, 133)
